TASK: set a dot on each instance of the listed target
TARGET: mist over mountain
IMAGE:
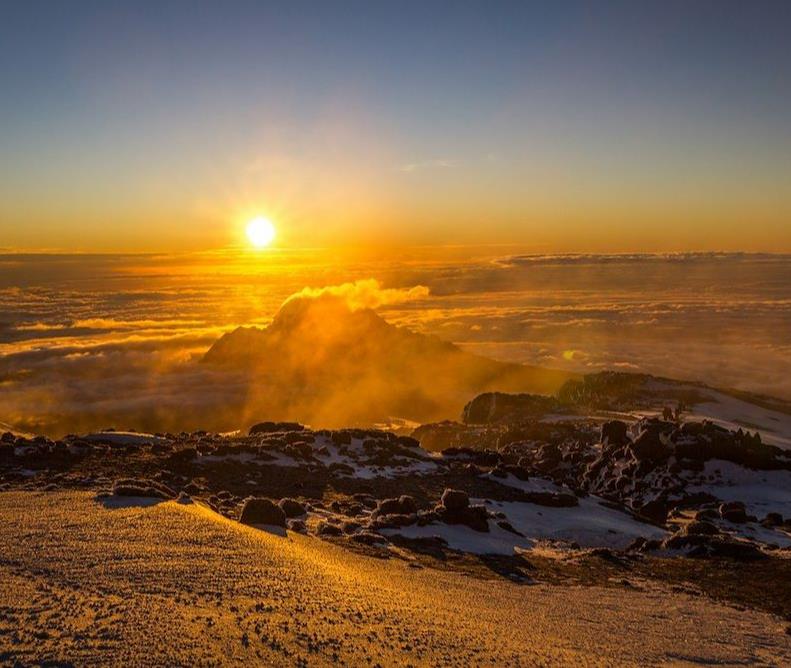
(324, 362)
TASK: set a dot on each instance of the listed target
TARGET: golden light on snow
(260, 231)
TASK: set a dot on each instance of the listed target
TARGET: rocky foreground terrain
(620, 487)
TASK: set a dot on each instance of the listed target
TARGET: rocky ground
(631, 485)
(139, 583)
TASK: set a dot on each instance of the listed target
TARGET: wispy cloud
(437, 163)
(366, 293)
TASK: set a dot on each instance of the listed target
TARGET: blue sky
(159, 124)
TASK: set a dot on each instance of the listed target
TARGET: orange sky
(628, 128)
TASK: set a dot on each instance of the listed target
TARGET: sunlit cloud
(440, 163)
(366, 293)
(93, 338)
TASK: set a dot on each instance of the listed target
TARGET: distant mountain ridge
(324, 363)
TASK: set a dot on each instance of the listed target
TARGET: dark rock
(704, 546)
(655, 510)
(291, 507)
(733, 511)
(369, 538)
(394, 521)
(505, 524)
(772, 520)
(262, 511)
(273, 427)
(408, 504)
(701, 528)
(143, 488)
(637, 545)
(408, 442)
(342, 469)
(475, 517)
(297, 525)
(648, 447)
(365, 499)
(349, 527)
(455, 499)
(614, 433)
(192, 488)
(326, 529)
(492, 407)
(403, 505)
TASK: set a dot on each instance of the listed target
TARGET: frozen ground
(174, 584)
(730, 412)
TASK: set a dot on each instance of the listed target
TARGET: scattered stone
(262, 511)
(292, 507)
(734, 511)
(403, 505)
(142, 488)
(324, 528)
(274, 427)
(614, 432)
(455, 499)
(297, 526)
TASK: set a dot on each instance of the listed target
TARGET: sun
(261, 232)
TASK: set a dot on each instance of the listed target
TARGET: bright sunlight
(261, 232)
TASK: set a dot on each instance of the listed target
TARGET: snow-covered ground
(590, 524)
(733, 413)
(761, 492)
(356, 458)
(727, 411)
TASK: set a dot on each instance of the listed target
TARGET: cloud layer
(90, 342)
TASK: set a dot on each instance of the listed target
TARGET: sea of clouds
(88, 341)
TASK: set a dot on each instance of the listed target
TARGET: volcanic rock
(262, 511)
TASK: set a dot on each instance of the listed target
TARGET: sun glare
(260, 232)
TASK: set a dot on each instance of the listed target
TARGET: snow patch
(123, 438)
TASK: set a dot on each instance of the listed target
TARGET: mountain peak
(322, 362)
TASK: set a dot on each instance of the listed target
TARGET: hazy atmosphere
(431, 333)
(92, 341)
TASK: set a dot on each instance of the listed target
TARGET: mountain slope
(324, 363)
(174, 584)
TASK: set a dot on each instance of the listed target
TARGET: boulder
(262, 511)
(475, 517)
(192, 489)
(326, 529)
(614, 433)
(455, 499)
(142, 487)
(733, 511)
(701, 528)
(648, 446)
(772, 520)
(403, 505)
(298, 526)
(291, 507)
(369, 538)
